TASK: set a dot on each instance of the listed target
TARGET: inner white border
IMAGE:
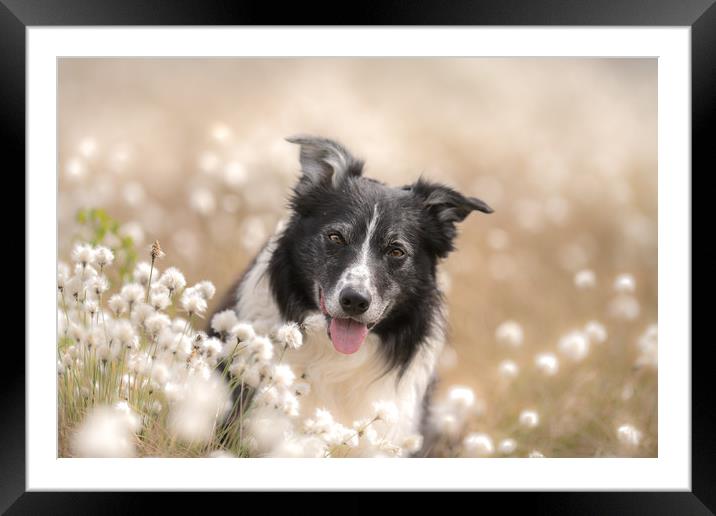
(670, 471)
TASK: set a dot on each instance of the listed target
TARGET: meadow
(552, 348)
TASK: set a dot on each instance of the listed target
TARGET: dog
(359, 259)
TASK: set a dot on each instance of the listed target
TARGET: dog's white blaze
(346, 385)
(358, 275)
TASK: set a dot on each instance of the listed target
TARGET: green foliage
(101, 227)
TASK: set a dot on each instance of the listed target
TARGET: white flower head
(220, 454)
(224, 321)
(132, 293)
(243, 331)
(461, 398)
(478, 445)
(83, 254)
(648, 348)
(134, 422)
(574, 345)
(155, 323)
(200, 408)
(103, 257)
(290, 335)
(104, 432)
(123, 334)
(507, 446)
(91, 307)
(173, 280)
(547, 363)
(629, 436)
(510, 334)
(282, 375)
(141, 313)
(529, 418)
(193, 303)
(596, 332)
(142, 272)
(447, 424)
(206, 289)
(386, 411)
(585, 279)
(211, 347)
(159, 297)
(117, 305)
(63, 275)
(508, 369)
(98, 286)
(261, 348)
(625, 284)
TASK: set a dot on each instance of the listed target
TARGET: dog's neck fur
(346, 385)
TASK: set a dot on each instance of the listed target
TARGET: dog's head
(362, 252)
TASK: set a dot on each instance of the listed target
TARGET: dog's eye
(396, 252)
(336, 238)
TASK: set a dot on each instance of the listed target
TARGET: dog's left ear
(445, 207)
(325, 161)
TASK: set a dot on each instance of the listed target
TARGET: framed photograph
(434, 250)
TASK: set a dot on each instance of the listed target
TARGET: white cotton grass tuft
(596, 332)
(461, 398)
(105, 432)
(529, 418)
(206, 289)
(386, 411)
(142, 271)
(508, 369)
(647, 344)
(478, 445)
(290, 335)
(193, 303)
(243, 331)
(282, 375)
(173, 280)
(510, 334)
(132, 293)
(198, 408)
(159, 298)
(224, 321)
(83, 254)
(104, 257)
(117, 305)
(507, 446)
(585, 279)
(574, 345)
(220, 454)
(547, 363)
(629, 436)
(625, 284)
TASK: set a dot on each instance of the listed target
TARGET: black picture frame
(699, 15)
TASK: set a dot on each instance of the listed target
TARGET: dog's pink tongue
(347, 335)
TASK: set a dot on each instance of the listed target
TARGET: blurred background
(552, 299)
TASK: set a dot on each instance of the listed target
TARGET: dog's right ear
(324, 162)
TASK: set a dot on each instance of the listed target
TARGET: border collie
(358, 258)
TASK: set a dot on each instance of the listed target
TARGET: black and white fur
(349, 233)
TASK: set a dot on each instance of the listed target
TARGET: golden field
(191, 152)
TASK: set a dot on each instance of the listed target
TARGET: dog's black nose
(354, 302)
